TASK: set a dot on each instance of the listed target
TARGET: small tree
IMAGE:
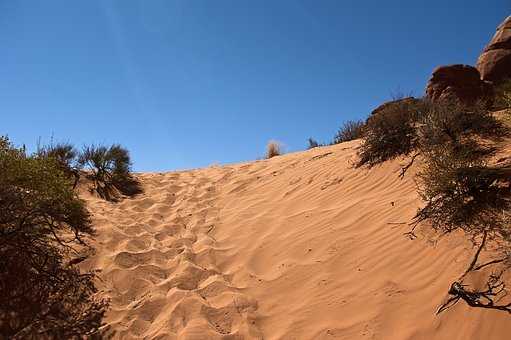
(350, 130)
(110, 170)
(42, 230)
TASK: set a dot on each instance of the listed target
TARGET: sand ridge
(301, 246)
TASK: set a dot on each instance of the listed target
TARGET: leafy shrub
(350, 130)
(110, 170)
(66, 156)
(42, 229)
(273, 148)
(390, 132)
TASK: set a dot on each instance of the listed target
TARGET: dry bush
(462, 190)
(273, 148)
(413, 126)
(451, 122)
(312, 143)
(390, 132)
(503, 95)
(459, 187)
(110, 170)
(350, 130)
(42, 230)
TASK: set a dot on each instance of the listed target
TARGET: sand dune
(301, 246)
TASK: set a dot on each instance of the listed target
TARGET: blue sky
(184, 84)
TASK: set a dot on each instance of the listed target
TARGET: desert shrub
(452, 122)
(273, 148)
(312, 143)
(66, 156)
(350, 130)
(42, 230)
(503, 95)
(407, 127)
(462, 191)
(459, 187)
(390, 132)
(110, 170)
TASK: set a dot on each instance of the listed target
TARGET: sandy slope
(302, 246)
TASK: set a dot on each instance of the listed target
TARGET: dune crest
(300, 246)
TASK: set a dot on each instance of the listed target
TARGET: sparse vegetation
(503, 95)
(350, 130)
(460, 187)
(110, 170)
(273, 148)
(462, 190)
(43, 226)
(312, 143)
(453, 122)
(391, 132)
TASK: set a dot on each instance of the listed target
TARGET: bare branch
(407, 166)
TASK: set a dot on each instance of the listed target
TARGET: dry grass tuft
(273, 148)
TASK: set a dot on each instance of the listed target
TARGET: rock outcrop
(457, 82)
(494, 64)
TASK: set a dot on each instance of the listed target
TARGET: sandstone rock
(494, 63)
(457, 82)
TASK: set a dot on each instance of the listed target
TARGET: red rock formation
(494, 63)
(457, 82)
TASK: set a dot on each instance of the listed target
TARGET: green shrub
(350, 130)
(66, 156)
(110, 170)
(42, 231)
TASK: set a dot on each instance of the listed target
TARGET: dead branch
(476, 255)
(478, 299)
(495, 291)
(407, 166)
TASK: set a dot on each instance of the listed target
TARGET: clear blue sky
(189, 83)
